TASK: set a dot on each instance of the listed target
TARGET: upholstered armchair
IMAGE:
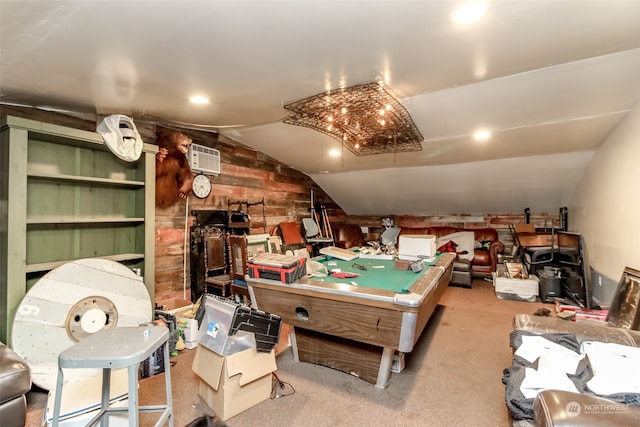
(15, 382)
(348, 236)
(485, 258)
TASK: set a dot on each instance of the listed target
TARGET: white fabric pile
(465, 241)
(615, 367)
(554, 363)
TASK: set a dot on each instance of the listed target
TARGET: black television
(576, 274)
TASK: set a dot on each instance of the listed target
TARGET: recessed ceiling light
(199, 100)
(334, 153)
(481, 135)
(470, 12)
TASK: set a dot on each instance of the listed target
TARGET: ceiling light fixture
(366, 119)
(199, 100)
(481, 135)
(470, 12)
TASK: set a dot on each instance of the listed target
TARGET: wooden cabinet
(65, 196)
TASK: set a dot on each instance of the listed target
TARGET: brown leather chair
(348, 236)
(484, 261)
(564, 409)
(15, 382)
(567, 409)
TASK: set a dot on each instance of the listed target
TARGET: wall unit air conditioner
(204, 159)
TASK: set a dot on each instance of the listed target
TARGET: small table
(112, 349)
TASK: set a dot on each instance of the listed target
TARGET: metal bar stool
(113, 349)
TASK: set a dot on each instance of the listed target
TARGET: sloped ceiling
(548, 79)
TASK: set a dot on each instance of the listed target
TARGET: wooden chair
(215, 260)
(238, 258)
(291, 233)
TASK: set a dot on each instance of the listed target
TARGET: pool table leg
(294, 344)
(384, 372)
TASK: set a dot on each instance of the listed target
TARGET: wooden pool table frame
(353, 328)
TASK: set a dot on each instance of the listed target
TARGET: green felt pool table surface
(379, 274)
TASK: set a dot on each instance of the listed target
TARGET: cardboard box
(417, 245)
(513, 270)
(174, 305)
(232, 384)
(515, 289)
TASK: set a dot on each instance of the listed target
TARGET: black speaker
(550, 286)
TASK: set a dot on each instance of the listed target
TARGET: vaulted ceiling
(549, 80)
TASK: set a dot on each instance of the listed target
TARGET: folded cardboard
(116, 419)
(234, 383)
(82, 397)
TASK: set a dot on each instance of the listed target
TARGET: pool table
(356, 324)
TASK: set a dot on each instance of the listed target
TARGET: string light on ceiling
(366, 119)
